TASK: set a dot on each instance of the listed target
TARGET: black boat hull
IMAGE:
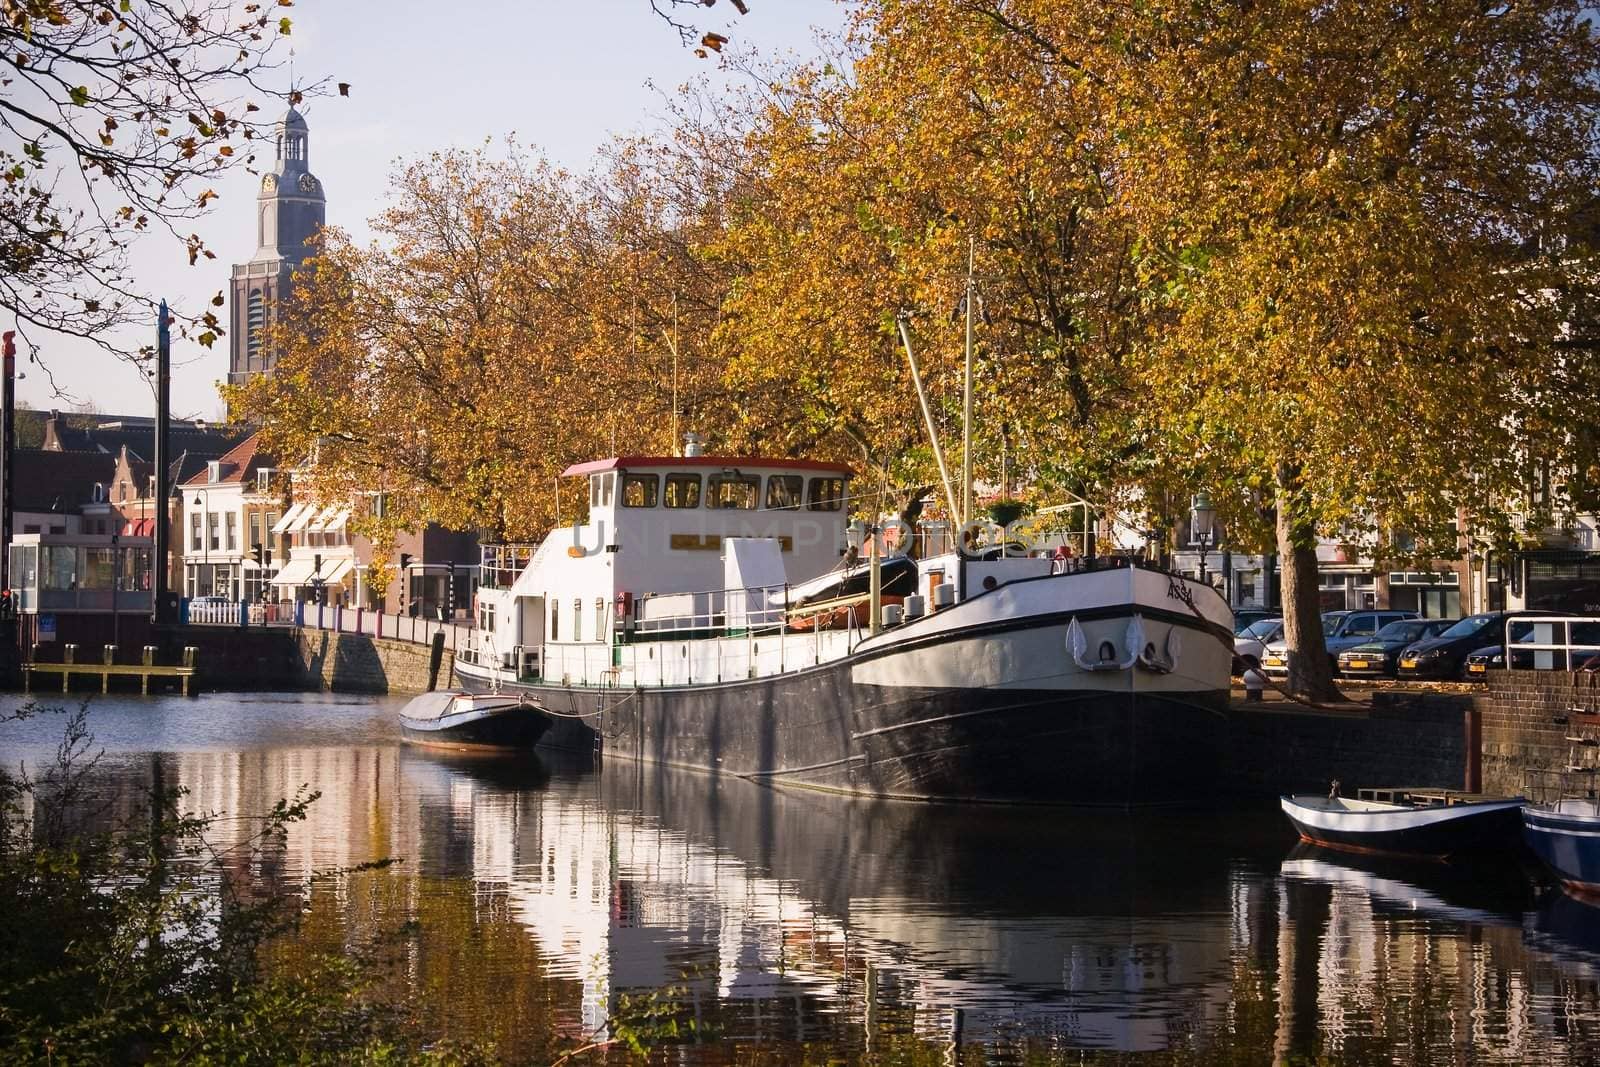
(818, 729)
(514, 727)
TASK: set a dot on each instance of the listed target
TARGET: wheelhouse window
(683, 490)
(600, 490)
(783, 492)
(639, 490)
(826, 494)
(733, 491)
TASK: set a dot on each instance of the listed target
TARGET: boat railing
(1552, 643)
(709, 613)
(499, 565)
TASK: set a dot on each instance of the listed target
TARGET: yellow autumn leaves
(1308, 253)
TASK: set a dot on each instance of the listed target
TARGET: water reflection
(542, 891)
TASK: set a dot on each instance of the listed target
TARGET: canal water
(534, 895)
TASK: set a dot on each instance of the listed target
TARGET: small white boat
(456, 719)
(1421, 822)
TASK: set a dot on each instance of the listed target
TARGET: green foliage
(132, 937)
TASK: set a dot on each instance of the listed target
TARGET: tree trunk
(1310, 671)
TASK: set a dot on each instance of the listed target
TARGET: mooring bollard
(149, 655)
(69, 653)
(1254, 683)
(108, 655)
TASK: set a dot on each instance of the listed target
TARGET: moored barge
(716, 613)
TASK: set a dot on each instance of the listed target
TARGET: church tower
(290, 209)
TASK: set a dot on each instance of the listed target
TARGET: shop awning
(334, 570)
(288, 519)
(294, 573)
(305, 516)
(321, 521)
(336, 523)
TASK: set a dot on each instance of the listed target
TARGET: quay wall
(292, 658)
(356, 663)
(1405, 740)
(1536, 726)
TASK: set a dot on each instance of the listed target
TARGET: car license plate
(1358, 664)
(1408, 663)
(1274, 661)
(1476, 668)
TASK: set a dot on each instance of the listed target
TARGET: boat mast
(966, 399)
(927, 415)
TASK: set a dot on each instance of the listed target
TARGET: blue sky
(563, 75)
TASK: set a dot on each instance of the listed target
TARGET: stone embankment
(307, 659)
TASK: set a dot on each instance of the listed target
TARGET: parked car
(1248, 644)
(1378, 657)
(1444, 656)
(1493, 657)
(1342, 630)
(1248, 617)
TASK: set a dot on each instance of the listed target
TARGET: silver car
(1248, 646)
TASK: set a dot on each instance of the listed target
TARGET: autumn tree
(939, 131)
(1353, 227)
(508, 320)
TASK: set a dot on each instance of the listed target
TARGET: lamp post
(205, 545)
(1201, 517)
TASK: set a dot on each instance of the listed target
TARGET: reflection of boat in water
(473, 720)
(1482, 894)
(643, 879)
(1566, 836)
(497, 769)
(1567, 927)
(1439, 823)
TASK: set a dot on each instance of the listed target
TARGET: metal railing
(1552, 643)
(334, 618)
(721, 611)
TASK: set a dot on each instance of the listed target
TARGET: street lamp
(205, 547)
(1201, 517)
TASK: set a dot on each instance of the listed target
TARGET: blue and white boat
(455, 719)
(1437, 823)
(1566, 837)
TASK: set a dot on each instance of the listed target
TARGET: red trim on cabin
(600, 466)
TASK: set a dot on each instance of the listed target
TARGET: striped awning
(289, 517)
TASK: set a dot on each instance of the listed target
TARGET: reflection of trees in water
(527, 904)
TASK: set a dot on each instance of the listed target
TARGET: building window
(264, 480)
(732, 491)
(233, 532)
(194, 531)
(683, 490)
(826, 494)
(255, 319)
(639, 490)
(783, 492)
(214, 524)
(255, 528)
(214, 471)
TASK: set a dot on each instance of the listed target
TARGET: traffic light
(257, 554)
